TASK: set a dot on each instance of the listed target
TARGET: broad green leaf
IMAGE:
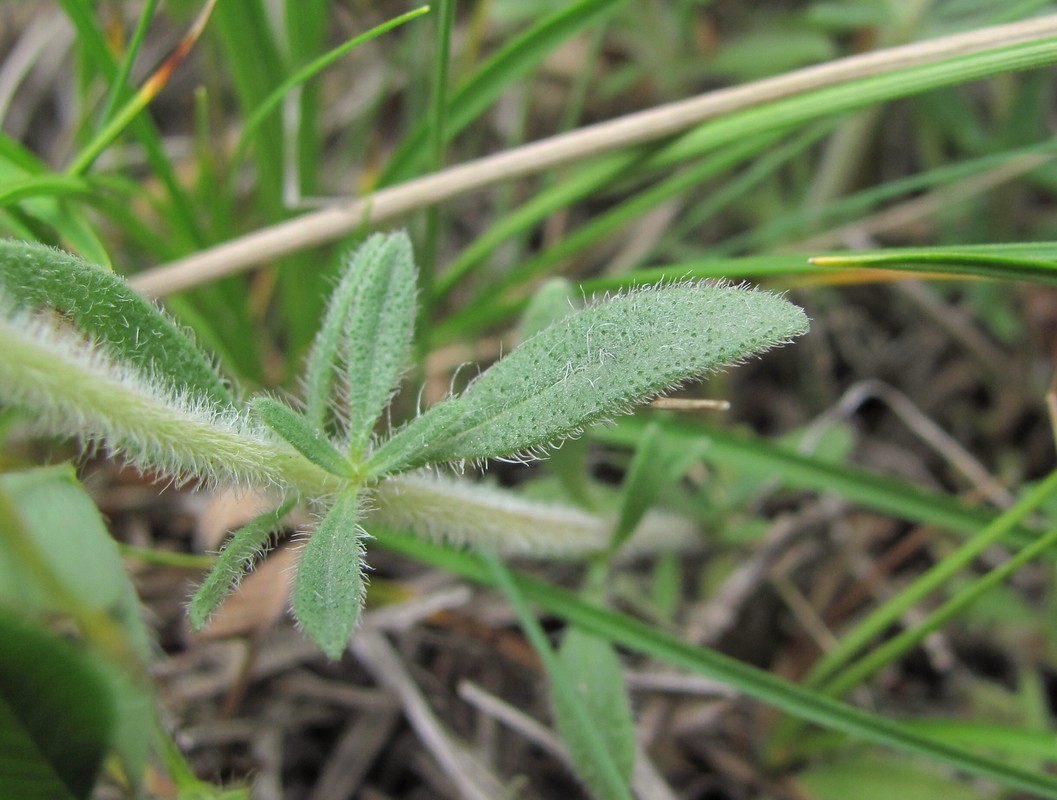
(604, 360)
(56, 714)
(368, 327)
(309, 441)
(64, 527)
(594, 669)
(233, 562)
(57, 559)
(330, 584)
(106, 309)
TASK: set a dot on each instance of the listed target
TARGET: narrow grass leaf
(594, 669)
(737, 449)
(937, 576)
(306, 73)
(330, 584)
(607, 358)
(593, 758)
(515, 59)
(966, 265)
(804, 703)
(309, 441)
(233, 562)
(106, 309)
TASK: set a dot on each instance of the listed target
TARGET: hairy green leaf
(233, 562)
(310, 442)
(77, 389)
(403, 450)
(604, 360)
(378, 333)
(368, 326)
(103, 307)
(330, 585)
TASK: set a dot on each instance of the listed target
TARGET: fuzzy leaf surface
(604, 360)
(233, 562)
(321, 369)
(102, 306)
(309, 441)
(330, 585)
(368, 327)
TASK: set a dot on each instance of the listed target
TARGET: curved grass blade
(306, 73)
(739, 450)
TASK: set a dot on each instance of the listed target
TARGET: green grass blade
(585, 181)
(632, 209)
(91, 38)
(891, 496)
(799, 109)
(800, 221)
(955, 264)
(587, 743)
(932, 580)
(515, 59)
(272, 100)
(119, 84)
(807, 704)
(898, 646)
